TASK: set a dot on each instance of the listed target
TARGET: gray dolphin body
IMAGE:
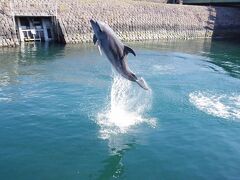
(115, 51)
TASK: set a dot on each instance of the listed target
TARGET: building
(34, 28)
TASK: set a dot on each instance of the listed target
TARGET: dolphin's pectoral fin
(94, 39)
(99, 48)
(128, 50)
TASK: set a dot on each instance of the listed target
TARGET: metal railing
(32, 34)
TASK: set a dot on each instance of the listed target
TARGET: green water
(66, 115)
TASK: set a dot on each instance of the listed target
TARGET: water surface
(66, 115)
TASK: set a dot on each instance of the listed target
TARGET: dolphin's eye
(99, 28)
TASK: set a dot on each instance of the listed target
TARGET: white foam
(126, 107)
(163, 69)
(5, 99)
(219, 105)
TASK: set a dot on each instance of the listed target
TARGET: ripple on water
(4, 79)
(226, 106)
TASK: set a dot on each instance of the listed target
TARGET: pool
(65, 114)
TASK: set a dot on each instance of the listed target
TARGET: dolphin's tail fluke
(141, 82)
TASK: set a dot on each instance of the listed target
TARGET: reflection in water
(226, 55)
(14, 63)
(8, 66)
(223, 53)
(37, 53)
(113, 165)
(26, 54)
(185, 46)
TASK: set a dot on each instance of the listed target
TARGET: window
(24, 22)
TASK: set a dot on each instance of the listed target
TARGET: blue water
(65, 114)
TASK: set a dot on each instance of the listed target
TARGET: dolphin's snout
(92, 22)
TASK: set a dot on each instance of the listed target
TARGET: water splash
(220, 105)
(126, 107)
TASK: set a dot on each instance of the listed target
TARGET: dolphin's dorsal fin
(94, 39)
(128, 50)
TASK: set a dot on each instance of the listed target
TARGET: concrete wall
(131, 19)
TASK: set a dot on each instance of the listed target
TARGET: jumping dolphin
(115, 51)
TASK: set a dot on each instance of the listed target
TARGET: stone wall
(157, 1)
(8, 35)
(141, 20)
(34, 7)
(131, 19)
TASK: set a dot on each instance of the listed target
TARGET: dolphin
(115, 50)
